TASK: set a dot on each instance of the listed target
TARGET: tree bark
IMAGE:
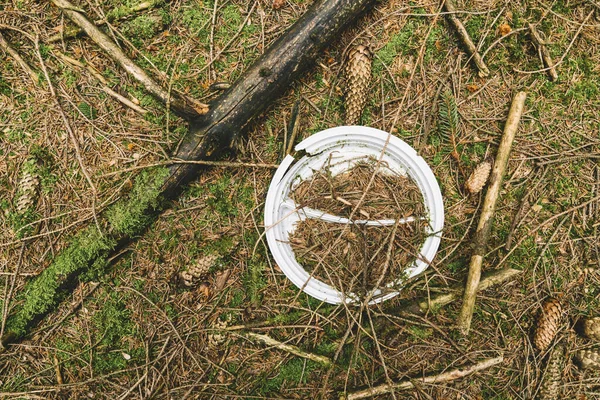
(289, 57)
(267, 79)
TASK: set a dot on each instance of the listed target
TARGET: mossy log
(209, 135)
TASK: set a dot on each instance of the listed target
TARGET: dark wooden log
(291, 55)
(209, 135)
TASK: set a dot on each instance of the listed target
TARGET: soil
(354, 257)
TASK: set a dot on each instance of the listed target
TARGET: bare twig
(123, 13)
(69, 129)
(180, 104)
(492, 279)
(224, 164)
(466, 39)
(4, 45)
(432, 379)
(489, 206)
(101, 79)
(269, 341)
(540, 44)
(8, 296)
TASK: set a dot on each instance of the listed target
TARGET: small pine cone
(479, 177)
(547, 324)
(588, 359)
(551, 380)
(590, 328)
(29, 186)
(196, 271)
(217, 336)
(358, 75)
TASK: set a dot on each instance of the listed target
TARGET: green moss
(400, 43)
(45, 291)
(292, 373)
(130, 216)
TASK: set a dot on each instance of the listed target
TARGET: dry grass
(140, 336)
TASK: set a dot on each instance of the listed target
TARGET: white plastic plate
(340, 149)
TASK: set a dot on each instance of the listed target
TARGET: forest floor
(137, 332)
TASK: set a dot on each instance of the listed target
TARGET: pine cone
(588, 359)
(547, 324)
(196, 271)
(590, 328)
(479, 177)
(29, 186)
(358, 75)
(551, 380)
(217, 336)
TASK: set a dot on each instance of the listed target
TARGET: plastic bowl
(340, 149)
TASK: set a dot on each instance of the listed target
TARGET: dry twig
(295, 350)
(432, 379)
(4, 45)
(540, 44)
(466, 39)
(489, 207)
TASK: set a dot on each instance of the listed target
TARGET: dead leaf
(130, 146)
(472, 87)
(505, 29)
(277, 4)
(221, 280)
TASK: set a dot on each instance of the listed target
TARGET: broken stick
(540, 44)
(181, 105)
(489, 206)
(4, 45)
(492, 279)
(431, 379)
(122, 12)
(295, 350)
(466, 39)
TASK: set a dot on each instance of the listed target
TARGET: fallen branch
(466, 39)
(489, 206)
(487, 282)
(125, 101)
(295, 350)
(540, 44)
(4, 45)
(180, 104)
(432, 379)
(287, 59)
(120, 12)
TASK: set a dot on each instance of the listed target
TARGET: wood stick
(4, 45)
(540, 44)
(431, 379)
(124, 100)
(487, 282)
(489, 206)
(269, 341)
(123, 13)
(181, 105)
(466, 39)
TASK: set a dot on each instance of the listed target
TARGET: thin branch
(540, 44)
(181, 105)
(466, 39)
(269, 341)
(125, 101)
(489, 207)
(123, 13)
(225, 164)
(4, 45)
(492, 279)
(431, 379)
